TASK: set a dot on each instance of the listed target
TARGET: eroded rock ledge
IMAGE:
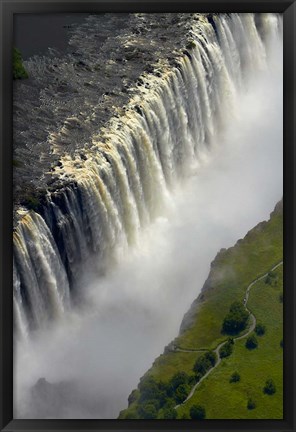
(71, 96)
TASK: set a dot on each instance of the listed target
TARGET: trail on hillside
(217, 350)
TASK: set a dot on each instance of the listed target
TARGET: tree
(281, 343)
(197, 412)
(212, 357)
(169, 413)
(202, 365)
(150, 390)
(181, 393)
(178, 378)
(148, 410)
(269, 387)
(226, 349)
(251, 342)
(236, 319)
(251, 404)
(235, 377)
(260, 329)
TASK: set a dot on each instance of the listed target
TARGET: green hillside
(171, 378)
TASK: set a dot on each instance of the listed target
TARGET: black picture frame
(7, 9)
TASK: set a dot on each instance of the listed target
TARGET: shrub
(236, 319)
(251, 404)
(202, 365)
(192, 380)
(18, 69)
(150, 390)
(212, 357)
(251, 342)
(169, 413)
(269, 387)
(281, 343)
(268, 280)
(178, 378)
(226, 350)
(271, 278)
(260, 329)
(235, 377)
(148, 410)
(181, 393)
(197, 412)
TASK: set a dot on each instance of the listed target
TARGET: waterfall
(123, 181)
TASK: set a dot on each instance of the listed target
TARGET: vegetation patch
(235, 377)
(251, 342)
(233, 387)
(260, 329)
(18, 70)
(197, 412)
(226, 349)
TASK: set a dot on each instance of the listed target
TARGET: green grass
(166, 365)
(231, 273)
(234, 269)
(224, 400)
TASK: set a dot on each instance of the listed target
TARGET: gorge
(109, 255)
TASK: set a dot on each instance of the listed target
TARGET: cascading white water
(38, 262)
(135, 166)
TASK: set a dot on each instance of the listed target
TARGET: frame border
(10, 7)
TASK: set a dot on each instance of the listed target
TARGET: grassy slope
(231, 273)
(223, 400)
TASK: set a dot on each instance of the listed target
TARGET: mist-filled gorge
(196, 165)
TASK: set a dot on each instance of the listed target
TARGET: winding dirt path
(217, 350)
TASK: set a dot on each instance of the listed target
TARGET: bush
(193, 379)
(236, 319)
(281, 343)
(269, 387)
(235, 377)
(197, 412)
(178, 378)
(169, 413)
(202, 364)
(148, 410)
(251, 404)
(251, 342)
(260, 329)
(226, 350)
(150, 390)
(18, 69)
(181, 393)
(212, 357)
(271, 278)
